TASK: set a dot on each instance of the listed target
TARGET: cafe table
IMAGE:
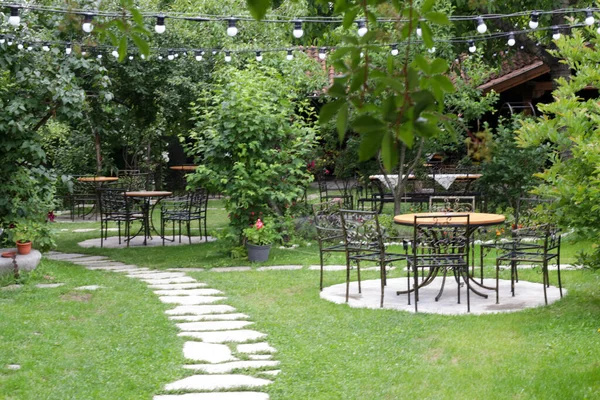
(146, 197)
(97, 181)
(453, 219)
(183, 167)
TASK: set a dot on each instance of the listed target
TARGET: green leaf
(423, 100)
(349, 17)
(258, 8)
(389, 152)
(367, 124)
(427, 6)
(338, 89)
(358, 79)
(122, 48)
(141, 44)
(340, 53)
(421, 63)
(427, 35)
(396, 84)
(405, 134)
(445, 83)
(426, 129)
(437, 18)
(342, 121)
(439, 66)
(137, 16)
(370, 145)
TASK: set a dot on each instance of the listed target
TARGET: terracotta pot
(23, 248)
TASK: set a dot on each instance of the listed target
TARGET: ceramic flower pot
(23, 248)
(258, 253)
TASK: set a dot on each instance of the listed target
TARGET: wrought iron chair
(343, 192)
(364, 240)
(461, 204)
(135, 181)
(534, 245)
(330, 235)
(116, 207)
(185, 209)
(83, 199)
(439, 245)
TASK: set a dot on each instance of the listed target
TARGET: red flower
(259, 224)
(51, 216)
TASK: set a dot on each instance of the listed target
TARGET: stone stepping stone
(238, 336)
(83, 230)
(252, 348)
(231, 269)
(158, 275)
(200, 310)
(48, 285)
(178, 286)
(117, 268)
(186, 269)
(273, 372)
(327, 268)
(183, 279)
(99, 263)
(13, 367)
(215, 396)
(260, 356)
(89, 287)
(230, 366)
(216, 382)
(210, 317)
(187, 292)
(213, 325)
(83, 260)
(64, 256)
(209, 352)
(280, 268)
(190, 300)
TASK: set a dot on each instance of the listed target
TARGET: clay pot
(23, 248)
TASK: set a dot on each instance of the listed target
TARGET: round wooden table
(451, 219)
(97, 179)
(146, 196)
(183, 167)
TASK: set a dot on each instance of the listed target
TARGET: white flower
(165, 156)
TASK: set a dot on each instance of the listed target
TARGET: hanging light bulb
(555, 33)
(20, 46)
(131, 57)
(83, 53)
(290, 55)
(87, 23)
(160, 57)
(472, 47)
(533, 22)
(258, 56)
(2, 39)
(227, 56)
(322, 53)
(29, 48)
(9, 41)
(171, 56)
(99, 56)
(198, 55)
(419, 30)
(597, 31)
(143, 57)
(160, 24)
(115, 53)
(481, 26)
(14, 18)
(589, 18)
(394, 50)
(232, 30)
(298, 32)
(362, 27)
(45, 47)
(511, 39)
(431, 50)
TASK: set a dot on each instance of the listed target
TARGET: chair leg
(162, 229)
(382, 279)
(513, 269)
(497, 283)
(189, 230)
(545, 280)
(558, 270)
(321, 278)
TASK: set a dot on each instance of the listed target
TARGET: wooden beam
(516, 77)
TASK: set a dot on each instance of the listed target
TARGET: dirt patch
(82, 297)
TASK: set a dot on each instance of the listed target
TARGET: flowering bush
(261, 233)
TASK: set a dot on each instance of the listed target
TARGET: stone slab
(208, 352)
(27, 262)
(272, 373)
(260, 356)
(188, 292)
(190, 300)
(212, 325)
(191, 269)
(99, 263)
(178, 286)
(215, 396)
(183, 279)
(228, 367)
(89, 287)
(83, 260)
(216, 382)
(64, 256)
(200, 310)
(210, 317)
(48, 285)
(238, 336)
(112, 242)
(230, 269)
(158, 275)
(280, 268)
(327, 268)
(118, 268)
(253, 348)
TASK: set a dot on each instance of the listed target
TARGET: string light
(227, 56)
(362, 27)
(115, 53)
(20, 46)
(322, 54)
(511, 39)
(99, 56)
(130, 57)
(259, 56)
(431, 50)
(45, 47)
(481, 26)
(394, 50)
(298, 32)
(170, 55)
(15, 18)
(160, 24)
(419, 30)
(232, 29)
(9, 42)
(2, 39)
(290, 55)
(472, 47)
(29, 48)
(533, 22)
(199, 55)
(589, 18)
(87, 23)
(555, 33)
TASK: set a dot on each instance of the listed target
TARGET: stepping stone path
(221, 341)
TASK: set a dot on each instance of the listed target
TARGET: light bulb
(511, 39)
(362, 54)
(589, 18)
(160, 24)
(258, 56)
(131, 57)
(14, 18)
(472, 47)
(431, 50)
(555, 33)
(2, 40)
(99, 56)
(160, 57)
(83, 53)
(115, 54)
(29, 48)
(143, 57)
(232, 30)
(362, 28)
(45, 47)
(394, 50)
(9, 42)
(597, 31)
(87, 23)
(298, 32)
(227, 56)
(481, 26)
(290, 55)
(419, 30)
(533, 22)
(171, 56)
(198, 56)
(20, 46)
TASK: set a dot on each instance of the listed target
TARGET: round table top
(97, 179)
(183, 167)
(442, 218)
(148, 193)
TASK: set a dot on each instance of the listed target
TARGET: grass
(327, 351)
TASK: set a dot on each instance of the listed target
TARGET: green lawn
(117, 343)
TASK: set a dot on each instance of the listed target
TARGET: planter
(258, 253)
(23, 248)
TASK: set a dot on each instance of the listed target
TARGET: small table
(183, 167)
(148, 208)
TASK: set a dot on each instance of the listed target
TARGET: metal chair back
(462, 204)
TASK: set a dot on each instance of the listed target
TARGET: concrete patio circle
(112, 242)
(527, 295)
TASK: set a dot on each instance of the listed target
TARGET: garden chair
(344, 193)
(116, 207)
(330, 235)
(185, 209)
(439, 247)
(364, 241)
(135, 181)
(83, 199)
(533, 245)
(462, 204)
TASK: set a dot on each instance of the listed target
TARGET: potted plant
(259, 238)
(24, 233)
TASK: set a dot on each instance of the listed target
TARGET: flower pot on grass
(259, 238)
(258, 253)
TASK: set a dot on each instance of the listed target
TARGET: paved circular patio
(527, 295)
(112, 242)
